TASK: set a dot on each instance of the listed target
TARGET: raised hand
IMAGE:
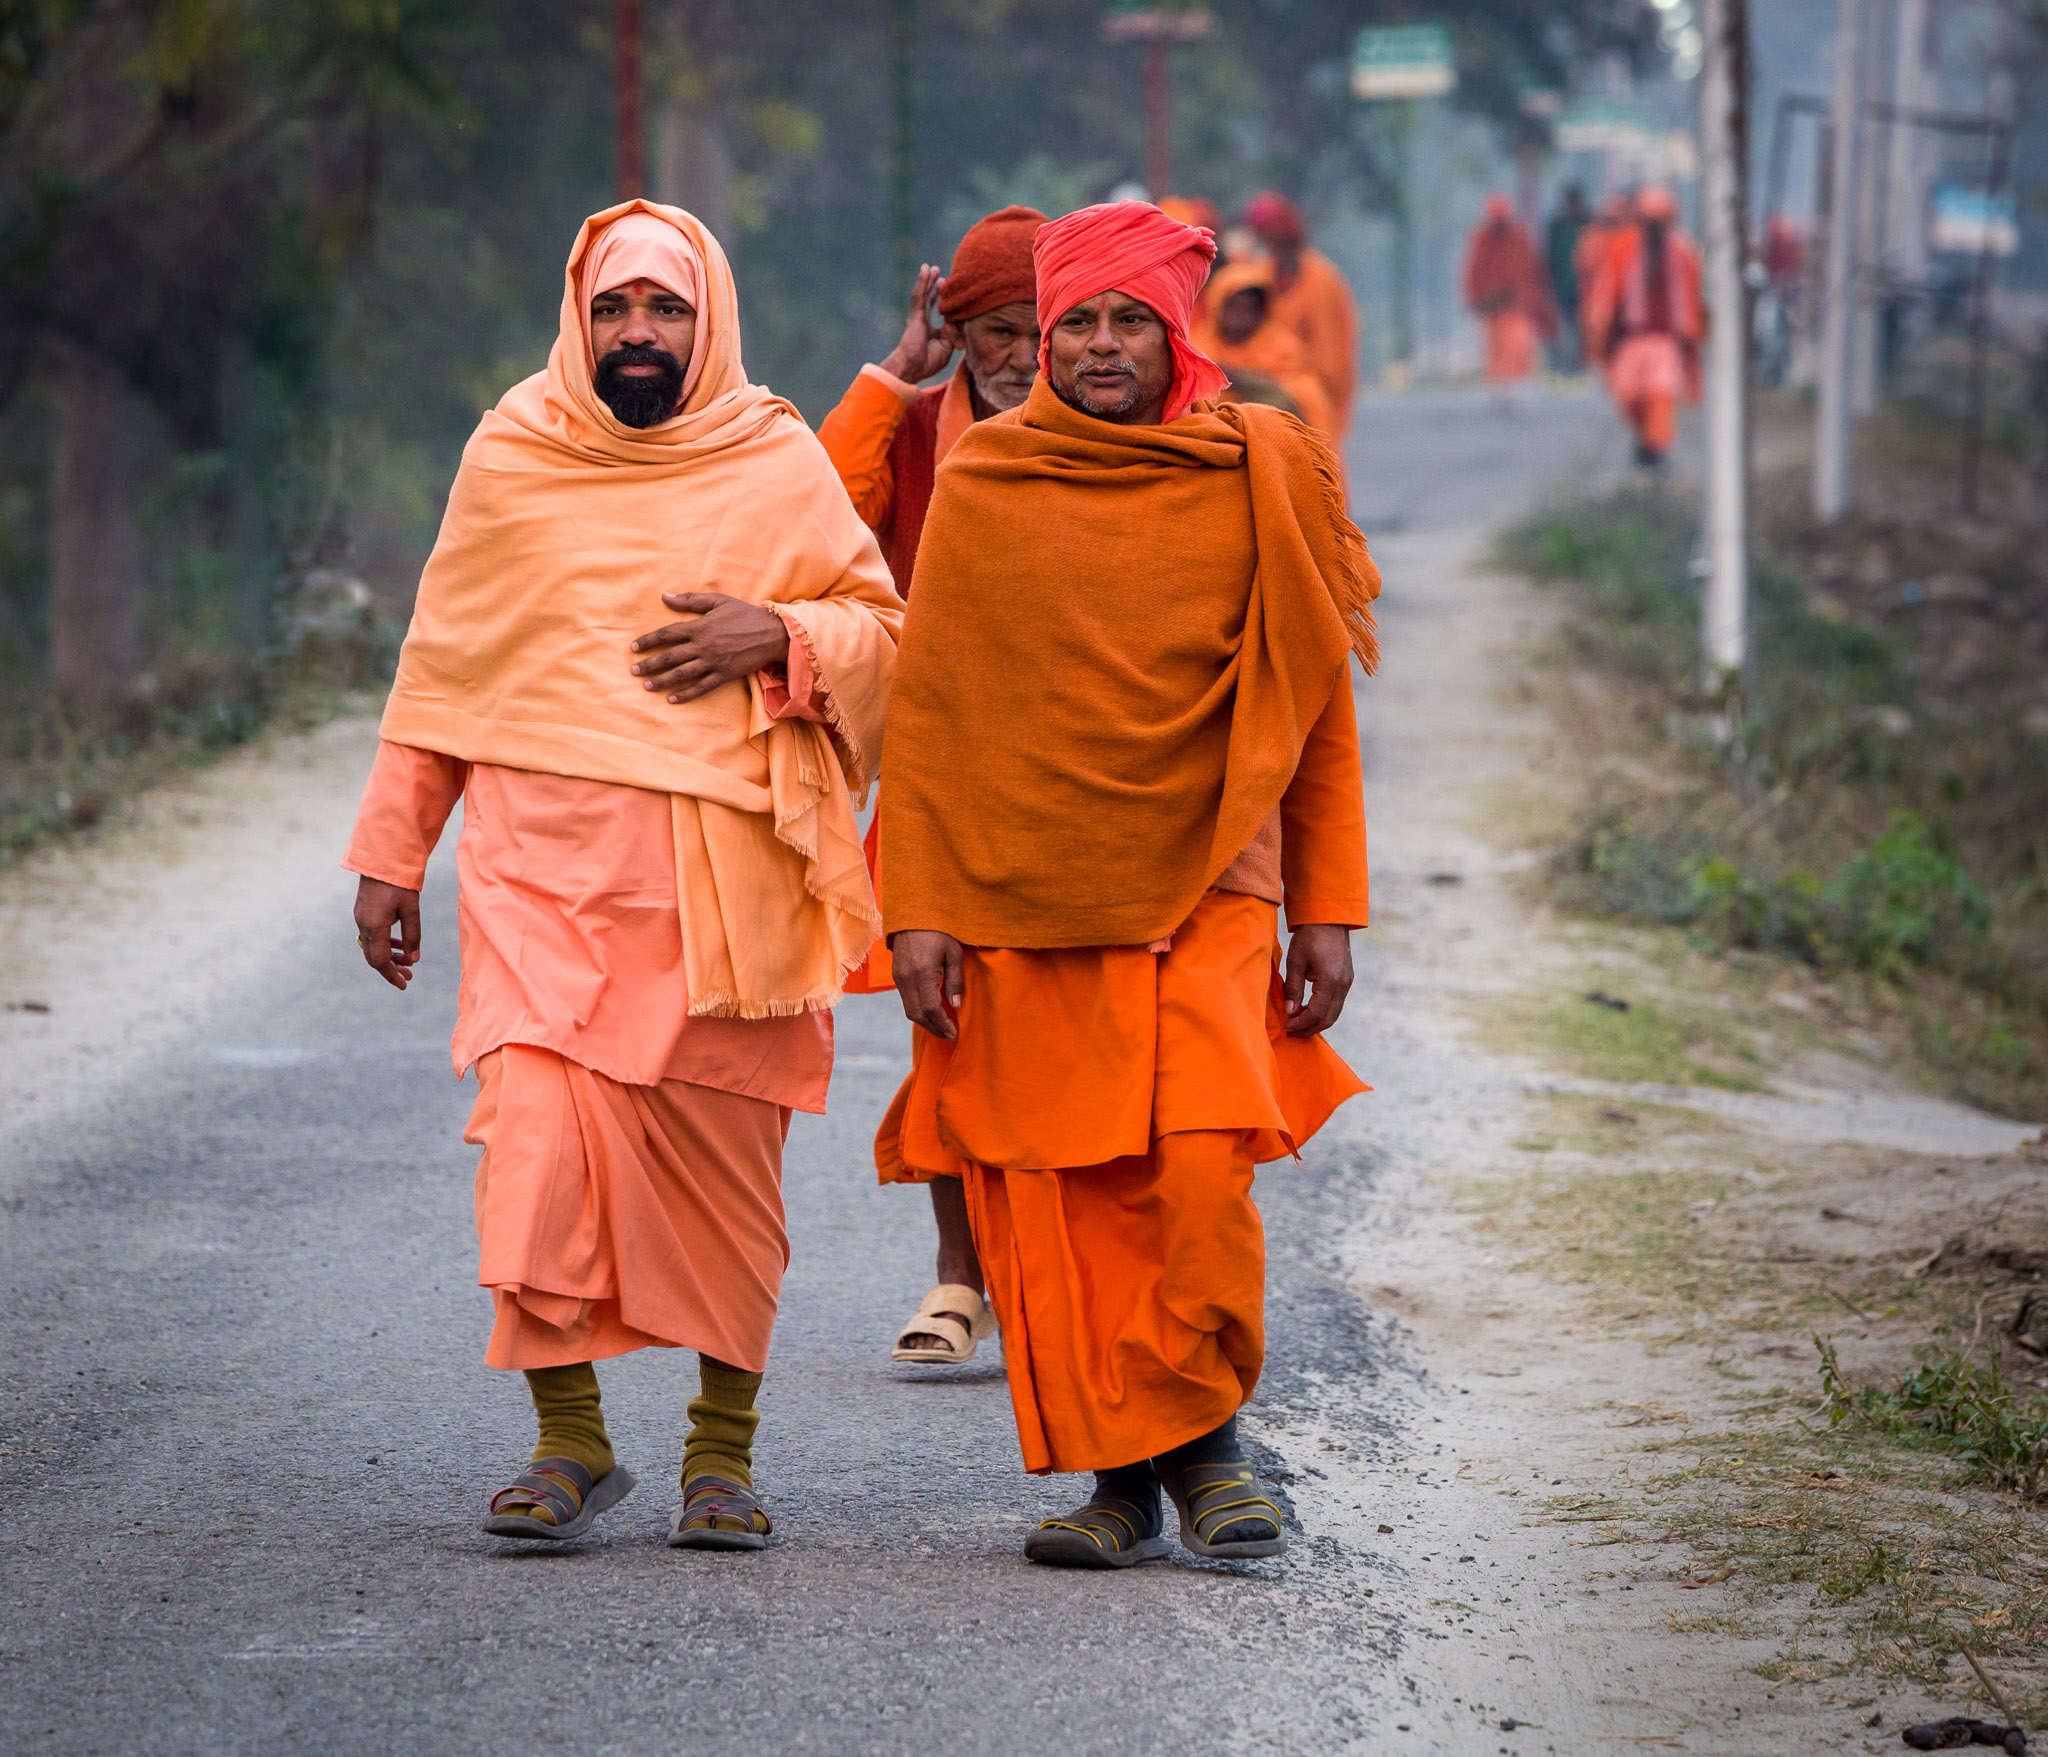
(925, 347)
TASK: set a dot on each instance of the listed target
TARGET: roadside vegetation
(1881, 815)
(1852, 887)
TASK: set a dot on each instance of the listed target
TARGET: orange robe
(858, 436)
(629, 1193)
(1317, 305)
(1508, 288)
(1106, 1105)
(1649, 336)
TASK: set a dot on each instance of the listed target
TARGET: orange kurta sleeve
(1322, 821)
(405, 807)
(857, 436)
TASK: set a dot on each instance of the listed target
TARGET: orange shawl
(563, 529)
(1120, 638)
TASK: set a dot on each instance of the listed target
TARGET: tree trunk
(95, 551)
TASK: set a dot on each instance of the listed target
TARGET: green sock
(571, 1419)
(722, 1423)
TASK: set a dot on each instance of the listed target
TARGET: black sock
(1218, 1446)
(1136, 1485)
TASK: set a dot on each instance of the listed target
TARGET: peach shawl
(563, 529)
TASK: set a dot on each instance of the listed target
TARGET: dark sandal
(1212, 1498)
(717, 1514)
(560, 1488)
(1097, 1534)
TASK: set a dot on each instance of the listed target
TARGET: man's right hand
(923, 349)
(380, 908)
(930, 969)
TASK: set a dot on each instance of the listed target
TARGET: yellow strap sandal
(1101, 1533)
(1213, 1499)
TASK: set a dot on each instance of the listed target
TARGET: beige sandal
(958, 1316)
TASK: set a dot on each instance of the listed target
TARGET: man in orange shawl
(1234, 325)
(886, 439)
(1121, 736)
(1310, 297)
(1508, 289)
(660, 885)
(1646, 318)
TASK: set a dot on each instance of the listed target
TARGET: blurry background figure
(1645, 319)
(1309, 296)
(1561, 254)
(1508, 289)
(1265, 359)
(1783, 261)
(1192, 210)
(1596, 238)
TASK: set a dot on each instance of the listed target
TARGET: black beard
(640, 402)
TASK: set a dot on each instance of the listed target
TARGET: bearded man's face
(642, 336)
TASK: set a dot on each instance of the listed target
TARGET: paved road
(247, 1425)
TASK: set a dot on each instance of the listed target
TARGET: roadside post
(1158, 27)
(1831, 437)
(1723, 142)
(1404, 65)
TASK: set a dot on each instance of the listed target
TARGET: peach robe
(656, 1220)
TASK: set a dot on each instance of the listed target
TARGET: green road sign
(1403, 61)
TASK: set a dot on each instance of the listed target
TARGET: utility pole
(1831, 438)
(1724, 136)
(630, 151)
(903, 141)
(1158, 24)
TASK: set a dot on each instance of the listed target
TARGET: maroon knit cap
(993, 265)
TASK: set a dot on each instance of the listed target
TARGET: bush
(1965, 1410)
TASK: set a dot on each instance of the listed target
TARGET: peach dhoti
(613, 1217)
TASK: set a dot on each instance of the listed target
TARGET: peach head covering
(1131, 247)
(641, 247)
(563, 529)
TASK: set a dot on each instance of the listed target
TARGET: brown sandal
(718, 1514)
(555, 1499)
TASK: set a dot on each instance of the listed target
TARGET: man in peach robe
(1508, 289)
(660, 887)
(1646, 318)
(1123, 736)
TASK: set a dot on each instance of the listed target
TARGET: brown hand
(923, 350)
(1319, 955)
(728, 638)
(929, 969)
(379, 909)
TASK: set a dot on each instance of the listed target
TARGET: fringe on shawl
(860, 781)
(1353, 594)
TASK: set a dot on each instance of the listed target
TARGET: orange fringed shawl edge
(1094, 719)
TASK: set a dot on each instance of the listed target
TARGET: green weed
(1957, 1406)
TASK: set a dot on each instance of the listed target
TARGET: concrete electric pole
(1831, 438)
(1724, 134)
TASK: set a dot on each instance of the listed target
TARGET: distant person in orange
(1507, 288)
(1596, 238)
(1311, 297)
(659, 880)
(1646, 319)
(1265, 359)
(1193, 210)
(1122, 736)
(886, 439)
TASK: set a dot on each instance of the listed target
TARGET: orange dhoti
(1105, 1106)
(1510, 346)
(616, 1217)
(1647, 379)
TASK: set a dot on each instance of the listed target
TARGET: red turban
(992, 266)
(1130, 247)
(1277, 220)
